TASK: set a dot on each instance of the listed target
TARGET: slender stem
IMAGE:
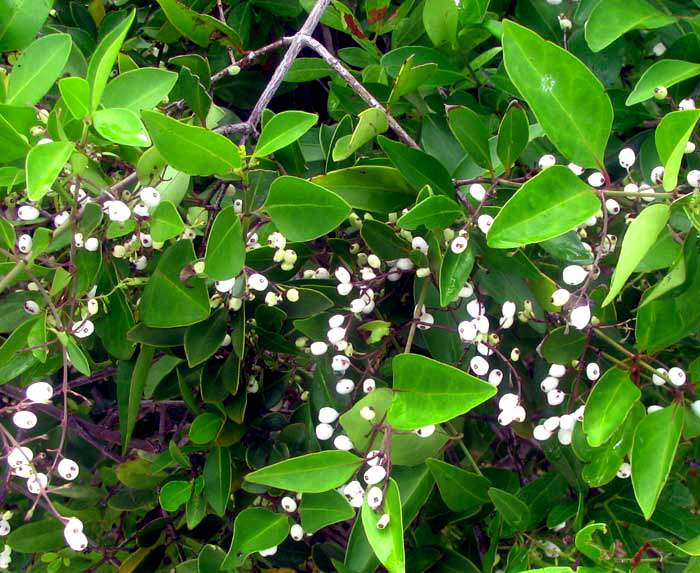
(463, 447)
(600, 334)
(12, 275)
(416, 314)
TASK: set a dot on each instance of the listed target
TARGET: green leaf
(302, 210)
(210, 559)
(407, 449)
(165, 222)
(639, 238)
(589, 546)
(77, 357)
(454, 272)
(548, 205)
(653, 451)
(21, 21)
(411, 77)
(611, 19)
(46, 534)
(225, 253)
(283, 129)
(470, 130)
(311, 473)
(76, 95)
(200, 28)
(205, 428)
(204, 338)
(567, 99)
(608, 404)
(563, 345)
(671, 136)
(386, 543)
(440, 20)
(514, 511)
(190, 149)
(320, 509)
(513, 135)
(429, 392)
(460, 490)
(417, 167)
(662, 73)
(435, 212)
(383, 241)
(8, 236)
(37, 69)
(44, 163)
(103, 59)
(372, 188)
(372, 122)
(121, 126)
(254, 529)
(308, 70)
(16, 341)
(217, 480)
(13, 146)
(139, 89)
(166, 301)
(128, 414)
(174, 494)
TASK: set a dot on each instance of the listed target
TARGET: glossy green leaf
(103, 58)
(76, 95)
(514, 511)
(435, 212)
(254, 529)
(16, 341)
(417, 167)
(139, 89)
(225, 253)
(200, 28)
(205, 427)
(671, 136)
(166, 222)
(568, 248)
(407, 449)
(174, 494)
(46, 533)
(210, 559)
(386, 543)
(311, 473)
(8, 236)
(371, 123)
(190, 149)
(411, 77)
(440, 21)
(321, 509)
(13, 145)
(383, 241)
(217, 479)
(611, 19)
(639, 238)
(662, 73)
(513, 135)
(129, 412)
(283, 129)
(204, 338)
(653, 451)
(568, 101)
(608, 404)
(44, 163)
(587, 544)
(470, 130)
(429, 392)
(167, 302)
(454, 272)
(548, 205)
(37, 69)
(563, 345)
(21, 21)
(308, 70)
(302, 210)
(372, 188)
(121, 126)
(460, 490)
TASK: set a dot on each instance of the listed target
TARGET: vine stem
(600, 334)
(419, 306)
(464, 448)
(12, 275)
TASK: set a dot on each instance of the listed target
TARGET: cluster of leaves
(391, 258)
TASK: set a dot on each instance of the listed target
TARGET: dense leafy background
(171, 237)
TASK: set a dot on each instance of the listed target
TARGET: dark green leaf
(321, 509)
(225, 253)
